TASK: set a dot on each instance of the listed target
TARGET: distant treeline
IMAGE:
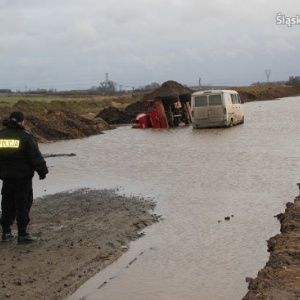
(5, 91)
(294, 80)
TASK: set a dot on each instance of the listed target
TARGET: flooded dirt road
(197, 178)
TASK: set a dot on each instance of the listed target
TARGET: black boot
(7, 235)
(25, 238)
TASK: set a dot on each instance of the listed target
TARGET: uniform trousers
(17, 199)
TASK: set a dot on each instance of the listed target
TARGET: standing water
(197, 178)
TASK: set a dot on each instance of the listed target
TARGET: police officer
(20, 157)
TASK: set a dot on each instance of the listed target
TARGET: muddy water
(197, 177)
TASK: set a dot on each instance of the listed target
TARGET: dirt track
(79, 234)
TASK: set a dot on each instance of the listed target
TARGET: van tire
(231, 123)
(186, 97)
(169, 99)
(243, 120)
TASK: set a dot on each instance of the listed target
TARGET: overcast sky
(72, 44)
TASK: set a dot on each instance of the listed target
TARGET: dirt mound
(48, 122)
(266, 92)
(62, 125)
(169, 88)
(136, 108)
(114, 116)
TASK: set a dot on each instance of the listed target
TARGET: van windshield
(215, 100)
(200, 101)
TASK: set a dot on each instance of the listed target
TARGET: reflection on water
(197, 178)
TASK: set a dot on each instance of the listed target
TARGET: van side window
(215, 100)
(234, 98)
(200, 101)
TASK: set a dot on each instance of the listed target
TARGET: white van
(216, 108)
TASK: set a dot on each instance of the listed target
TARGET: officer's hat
(17, 116)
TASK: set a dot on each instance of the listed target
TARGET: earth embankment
(266, 92)
(280, 278)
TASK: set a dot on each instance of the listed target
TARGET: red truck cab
(142, 121)
(165, 112)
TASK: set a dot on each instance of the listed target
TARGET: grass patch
(81, 104)
(15, 97)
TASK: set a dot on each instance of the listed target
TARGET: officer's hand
(42, 176)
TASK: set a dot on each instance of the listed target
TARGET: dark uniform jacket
(19, 153)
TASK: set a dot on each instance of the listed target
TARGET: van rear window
(215, 100)
(200, 101)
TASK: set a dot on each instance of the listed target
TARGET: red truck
(166, 111)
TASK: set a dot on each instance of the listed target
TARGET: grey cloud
(139, 42)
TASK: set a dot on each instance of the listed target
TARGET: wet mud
(280, 278)
(80, 233)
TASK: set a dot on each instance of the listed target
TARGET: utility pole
(268, 73)
(106, 82)
(199, 83)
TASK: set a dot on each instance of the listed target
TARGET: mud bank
(80, 233)
(266, 92)
(280, 278)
